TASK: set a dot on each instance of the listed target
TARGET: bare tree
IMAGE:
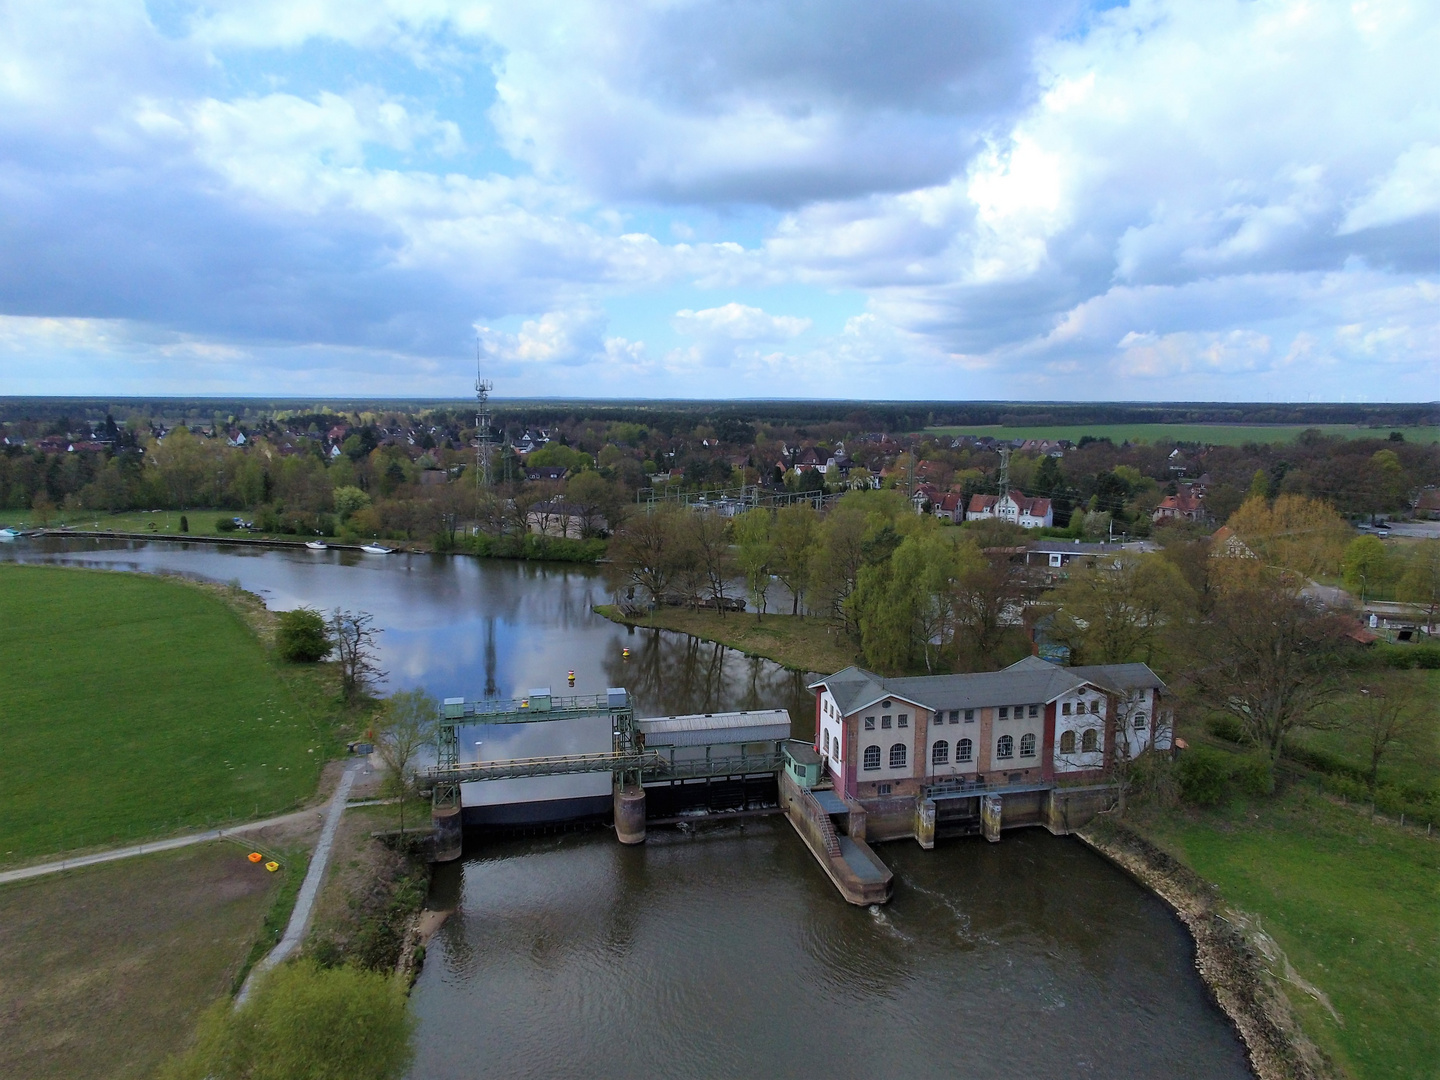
(1268, 658)
(407, 725)
(643, 554)
(353, 637)
(710, 542)
(985, 594)
(1388, 714)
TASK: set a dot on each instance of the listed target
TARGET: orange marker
(255, 856)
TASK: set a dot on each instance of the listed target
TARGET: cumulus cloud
(739, 322)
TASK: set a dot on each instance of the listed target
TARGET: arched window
(1027, 745)
(1090, 741)
(964, 750)
(1005, 748)
(1139, 721)
(827, 742)
(1067, 742)
(940, 753)
(897, 756)
(872, 757)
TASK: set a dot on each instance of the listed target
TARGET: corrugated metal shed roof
(700, 729)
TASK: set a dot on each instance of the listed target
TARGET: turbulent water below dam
(724, 950)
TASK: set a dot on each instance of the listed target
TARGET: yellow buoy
(255, 856)
(625, 654)
(272, 866)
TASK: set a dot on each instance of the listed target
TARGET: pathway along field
(136, 706)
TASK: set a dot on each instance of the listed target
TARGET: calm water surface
(725, 951)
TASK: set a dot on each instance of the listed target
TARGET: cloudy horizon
(1034, 200)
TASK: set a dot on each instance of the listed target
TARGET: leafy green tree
(796, 538)
(407, 725)
(556, 454)
(1366, 566)
(1118, 610)
(350, 499)
(1420, 581)
(305, 1022)
(755, 553)
(302, 637)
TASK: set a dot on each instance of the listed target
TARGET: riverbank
(1303, 905)
(805, 644)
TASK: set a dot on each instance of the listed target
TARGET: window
(1004, 712)
(1027, 745)
(1067, 743)
(1005, 747)
(1034, 711)
(1019, 711)
(964, 750)
(872, 757)
(904, 719)
(940, 753)
(969, 716)
(1065, 709)
(827, 742)
(954, 716)
(882, 789)
(1090, 741)
(1095, 706)
(885, 721)
(869, 723)
(885, 704)
(897, 756)
(1139, 721)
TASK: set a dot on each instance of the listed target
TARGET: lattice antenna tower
(1004, 471)
(483, 387)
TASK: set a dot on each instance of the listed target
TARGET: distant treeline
(668, 416)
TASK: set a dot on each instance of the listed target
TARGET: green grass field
(164, 522)
(1215, 434)
(1355, 906)
(134, 706)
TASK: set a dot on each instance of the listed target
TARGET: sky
(920, 199)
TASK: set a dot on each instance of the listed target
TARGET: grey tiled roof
(1031, 681)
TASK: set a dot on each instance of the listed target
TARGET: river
(725, 951)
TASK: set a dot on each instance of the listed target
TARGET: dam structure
(544, 758)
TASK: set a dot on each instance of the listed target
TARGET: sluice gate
(711, 761)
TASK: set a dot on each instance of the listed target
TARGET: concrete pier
(925, 823)
(990, 811)
(449, 837)
(630, 813)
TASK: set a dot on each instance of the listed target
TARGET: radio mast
(483, 479)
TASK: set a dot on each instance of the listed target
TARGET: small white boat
(376, 549)
(316, 545)
(8, 534)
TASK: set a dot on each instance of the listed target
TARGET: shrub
(303, 637)
(184, 524)
(305, 1021)
(1253, 775)
(225, 524)
(1228, 728)
(1204, 775)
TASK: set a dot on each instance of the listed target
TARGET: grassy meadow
(1214, 434)
(135, 706)
(802, 644)
(107, 968)
(1354, 904)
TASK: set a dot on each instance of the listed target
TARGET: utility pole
(483, 479)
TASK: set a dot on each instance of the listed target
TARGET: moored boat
(376, 549)
(316, 545)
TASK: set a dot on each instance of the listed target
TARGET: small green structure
(802, 762)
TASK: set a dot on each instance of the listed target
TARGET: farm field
(1353, 904)
(108, 967)
(137, 706)
(1215, 434)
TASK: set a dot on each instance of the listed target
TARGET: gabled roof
(1030, 681)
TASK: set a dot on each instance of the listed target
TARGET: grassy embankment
(1354, 903)
(802, 644)
(1213, 434)
(137, 706)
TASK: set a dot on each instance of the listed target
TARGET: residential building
(1027, 511)
(1183, 506)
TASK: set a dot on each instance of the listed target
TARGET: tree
(353, 638)
(796, 537)
(643, 553)
(407, 725)
(709, 543)
(594, 501)
(305, 1022)
(1268, 658)
(1420, 581)
(1366, 565)
(1387, 714)
(349, 499)
(1117, 610)
(989, 589)
(301, 637)
(1296, 533)
(755, 552)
